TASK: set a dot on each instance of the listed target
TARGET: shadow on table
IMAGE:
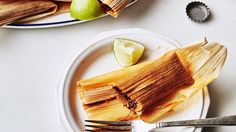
(139, 9)
(217, 103)
(5, 34)
(214, 106)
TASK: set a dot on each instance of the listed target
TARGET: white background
(31, 61)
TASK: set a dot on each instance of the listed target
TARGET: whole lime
(86, 9)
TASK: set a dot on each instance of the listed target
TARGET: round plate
(59, 20)
(98, 58)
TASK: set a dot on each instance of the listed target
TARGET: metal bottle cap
(197, 11)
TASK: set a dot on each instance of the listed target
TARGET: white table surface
(31, 61)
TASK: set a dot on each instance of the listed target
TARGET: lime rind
(86, 9)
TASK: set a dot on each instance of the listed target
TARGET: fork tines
(108, 126)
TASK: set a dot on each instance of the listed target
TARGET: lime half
(86, 9)
(127, 52)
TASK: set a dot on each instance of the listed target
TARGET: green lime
(127, 52)
(86, 9)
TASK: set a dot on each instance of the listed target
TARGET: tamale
(11, 10)
(99, 88)
(62, 7)
(63, 0)
(115, 7)
(180, 73)
(205, 61)
(153, 82)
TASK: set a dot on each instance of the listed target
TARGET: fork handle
(209, 122)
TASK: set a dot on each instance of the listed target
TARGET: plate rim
(62, 81)
(44, 25)
(61, 23)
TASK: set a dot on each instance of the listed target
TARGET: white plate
(59, 20)
(98, 58)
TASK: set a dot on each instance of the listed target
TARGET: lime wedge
(86, 9)
(127, 52)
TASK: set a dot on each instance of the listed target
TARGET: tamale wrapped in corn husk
(115, 7)
(153, 82)
(157, 86)
(62, 7)
(14, 10)
(91, 89)
(99, 97)
(205, 62)
(63, 0)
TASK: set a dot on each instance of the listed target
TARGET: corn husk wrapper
(61, 7)
(203, 60)
(115, 7)
(11, 10)
(111, 108)
(99, 98)
(98, 88)
(64, 0)
(148, 85)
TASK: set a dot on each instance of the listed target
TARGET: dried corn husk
(114, 110)
(115, 7)
(99, 97)
(92, 88)
(153, 82)
(64, 0)
(62, 7)
(11, 10)
(205, 62)
(202, 62)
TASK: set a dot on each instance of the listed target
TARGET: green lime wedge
(127, 52)
(86, 9)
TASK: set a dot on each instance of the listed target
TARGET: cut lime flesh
(127, 52)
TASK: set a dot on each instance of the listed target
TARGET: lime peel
(86, 9)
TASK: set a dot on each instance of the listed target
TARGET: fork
(127, 126)
(208, 122)
(108, 126)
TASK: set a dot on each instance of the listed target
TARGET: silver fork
(208, 122)
(108, 126)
